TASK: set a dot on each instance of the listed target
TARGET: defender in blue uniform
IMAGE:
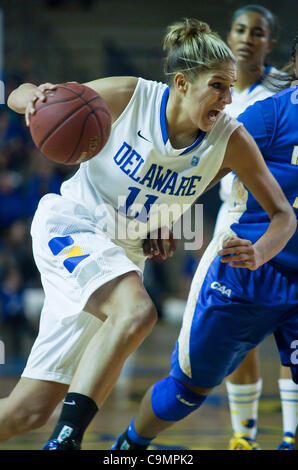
(214, 337)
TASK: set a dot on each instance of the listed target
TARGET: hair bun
(185, 30)
(203, 27)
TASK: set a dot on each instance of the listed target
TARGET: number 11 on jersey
(127, 207)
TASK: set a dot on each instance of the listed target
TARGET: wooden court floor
(209, 428)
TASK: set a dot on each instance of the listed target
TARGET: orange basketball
(72, 125)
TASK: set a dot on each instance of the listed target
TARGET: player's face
(207, 97)
(249, 38)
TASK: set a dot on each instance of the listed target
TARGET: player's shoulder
(224, 123)
(280, 102)
(285, 94)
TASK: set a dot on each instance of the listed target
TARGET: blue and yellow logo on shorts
(73, 257)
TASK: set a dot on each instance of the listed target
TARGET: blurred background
(66, 40)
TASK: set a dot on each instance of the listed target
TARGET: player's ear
(180, 82)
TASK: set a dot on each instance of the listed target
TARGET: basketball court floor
(208, 428)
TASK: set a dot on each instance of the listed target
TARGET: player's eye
(258, 34)
(216, 85)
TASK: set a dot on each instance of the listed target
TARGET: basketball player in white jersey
(251, 37)
(166, 145)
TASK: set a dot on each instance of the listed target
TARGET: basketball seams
(81, 112)
(80, 137)
(87, 102)
(84, 102)
(66, 100)
(72, 113)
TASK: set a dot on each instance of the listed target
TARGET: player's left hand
(240, 253)
(160, 243)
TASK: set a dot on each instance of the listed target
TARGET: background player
(252, 35)
(214, 338)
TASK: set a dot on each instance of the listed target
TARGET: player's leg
(213, 339)
(286, 340)
(50, 366)
(167, 402)
(129, 319)
(244, 387)
(29, 406)
(209, 347)
(289, 406)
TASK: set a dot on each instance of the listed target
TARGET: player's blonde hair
(192, 48)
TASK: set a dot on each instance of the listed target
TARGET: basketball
(72, 125)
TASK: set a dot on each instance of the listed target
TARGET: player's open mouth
(212, 115)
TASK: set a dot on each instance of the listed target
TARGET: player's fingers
(173, 245)
(149, 249)
(235, 241)
(162, 248)
(154, 250)
(236, 257)
(27, 117)
(244, 264)
(146, 247)
(40, 95)
(236, 249)
(47, 86)
(30, 109)
(41, 91)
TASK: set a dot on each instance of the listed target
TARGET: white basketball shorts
(74, 259)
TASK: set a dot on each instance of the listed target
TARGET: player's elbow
(18, 98)
(288, 219)
(12, 103)
(293, 222)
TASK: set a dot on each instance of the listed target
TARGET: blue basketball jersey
(273, 123)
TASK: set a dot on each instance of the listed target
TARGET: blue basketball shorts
(229, 312)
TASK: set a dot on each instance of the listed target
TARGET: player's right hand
(38, 94)
(160, 242)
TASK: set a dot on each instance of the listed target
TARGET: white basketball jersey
(138, 174)
(240, 101)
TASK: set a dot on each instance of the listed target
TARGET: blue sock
(134, 436)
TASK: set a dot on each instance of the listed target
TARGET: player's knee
(139, 319)
(171, 400)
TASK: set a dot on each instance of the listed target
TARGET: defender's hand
(240, 253)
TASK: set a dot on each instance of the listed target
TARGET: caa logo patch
(222, 288)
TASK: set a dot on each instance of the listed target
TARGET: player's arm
(222, 172)
(116, 91)
(19, 98)
(245, 159)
